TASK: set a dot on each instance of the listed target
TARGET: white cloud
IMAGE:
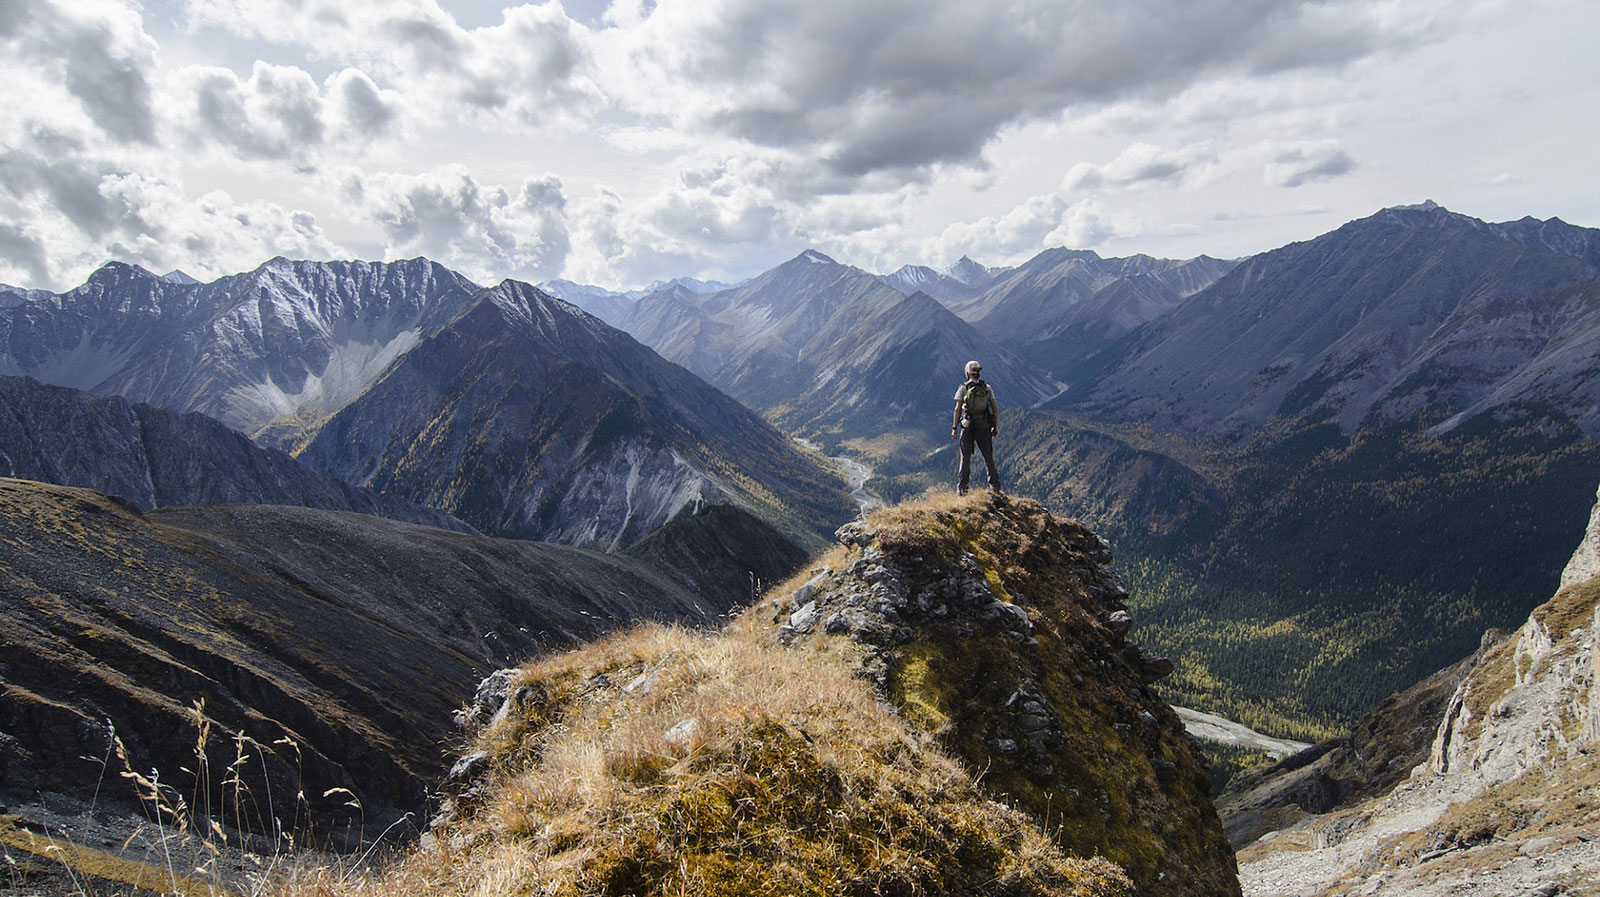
(77, 214)
(902, 84)
(95, 52)
(280, 112)
(483, 230)
(1293, 166)
(533, 68)
(1142, 163)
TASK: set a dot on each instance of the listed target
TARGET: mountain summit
(269, 352)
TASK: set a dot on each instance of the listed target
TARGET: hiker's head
(973, 370)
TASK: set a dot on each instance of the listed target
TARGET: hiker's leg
(964, 472)
(986, 445)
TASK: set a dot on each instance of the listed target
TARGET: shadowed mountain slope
(353, 636)
(153, 457)
(528, 418)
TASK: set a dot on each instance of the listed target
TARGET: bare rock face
(999, 628)
(1504, 802)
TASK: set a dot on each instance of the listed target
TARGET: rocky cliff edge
(944, 704)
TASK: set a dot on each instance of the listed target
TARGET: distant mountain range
(594, 441)
(963, 280)
(1414, 311)
(831, 352)
(609, 305)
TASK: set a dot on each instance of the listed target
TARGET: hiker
(977, 421)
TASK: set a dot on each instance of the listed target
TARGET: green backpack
(975, 406)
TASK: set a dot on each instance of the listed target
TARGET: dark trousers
(984, 441)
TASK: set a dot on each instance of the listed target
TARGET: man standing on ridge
(977, 420)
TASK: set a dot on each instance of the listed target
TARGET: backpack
(975, 406)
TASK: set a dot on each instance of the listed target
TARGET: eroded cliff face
(944, 703)
(1505, 801)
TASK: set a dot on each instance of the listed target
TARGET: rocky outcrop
(1000, 629)
(945, 704)
(156, 458)
(1502, 803)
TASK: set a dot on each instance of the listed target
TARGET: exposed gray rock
(1120, 623)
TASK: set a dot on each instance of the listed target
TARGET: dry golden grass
(663, 761)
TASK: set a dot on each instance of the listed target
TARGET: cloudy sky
(617, 143)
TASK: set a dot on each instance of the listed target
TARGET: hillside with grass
(943, 704)
(327, 648)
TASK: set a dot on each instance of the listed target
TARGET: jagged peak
(115, 271)
(529, 305)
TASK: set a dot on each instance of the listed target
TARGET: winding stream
(855, 473)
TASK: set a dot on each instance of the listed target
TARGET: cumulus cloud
(1142, 163)
(719, 211)
(212, 234)
(484, 230)
(97, 51)
(901, 84)
(67, 215)
(1042, 221)
(1023, 229)
(274, 114)
(280, 112)
(1294, 166)
(533, 68)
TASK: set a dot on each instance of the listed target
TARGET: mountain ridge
(152, 457)
(520, 414)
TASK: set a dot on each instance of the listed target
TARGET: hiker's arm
(955, 420)
(994, 417)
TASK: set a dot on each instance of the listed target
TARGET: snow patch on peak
(815, 257)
